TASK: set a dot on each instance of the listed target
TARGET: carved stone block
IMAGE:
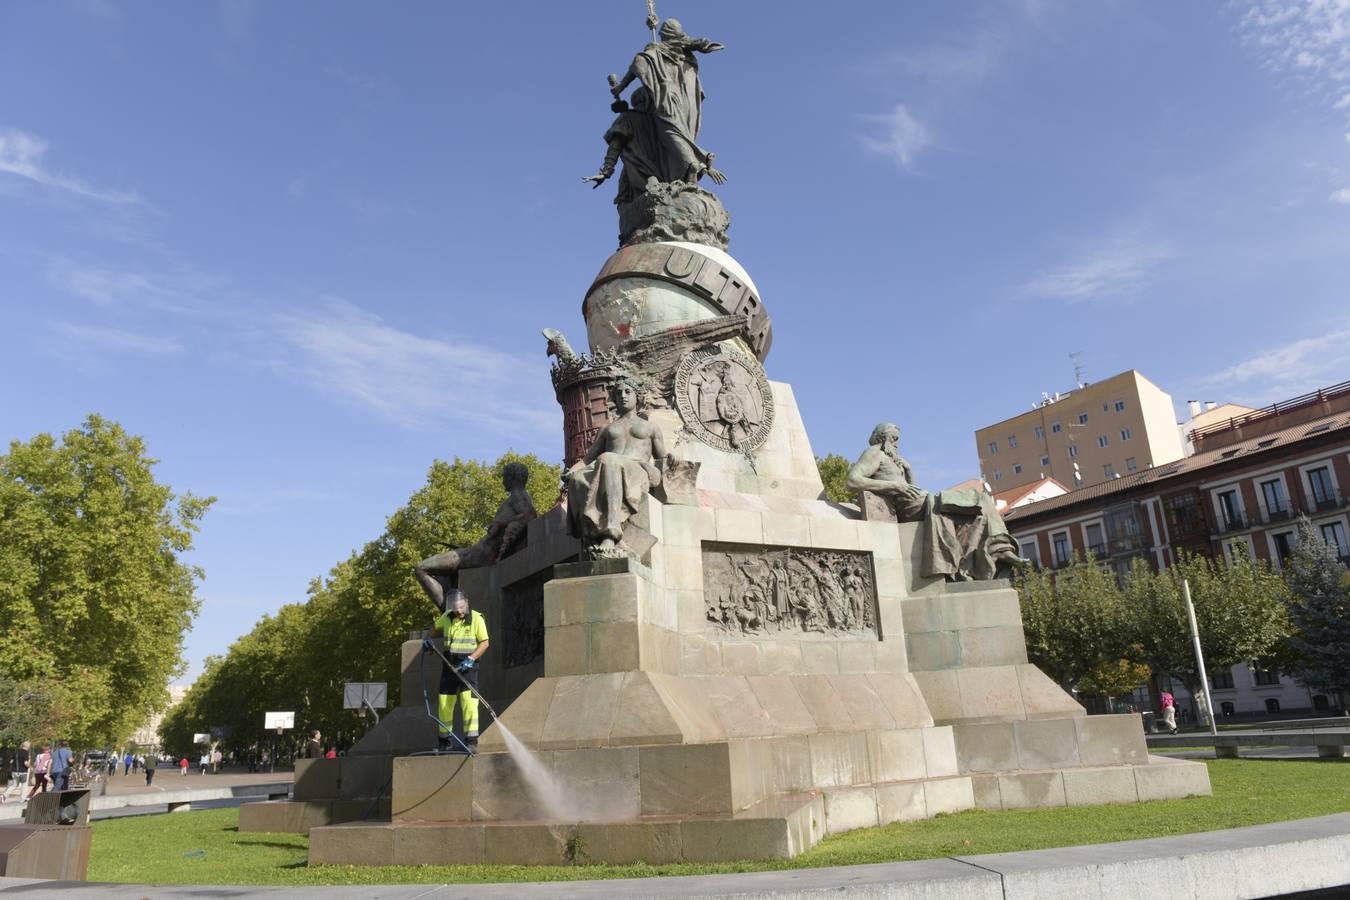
(767, 592)
(875, 508)
(678, 480)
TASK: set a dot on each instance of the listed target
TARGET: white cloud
(21, 154)
(1340, 196)
(969, 60)
(178, 290)
(1291, 369)
(1310, 40)
(1119, 266)
(903, 137)
(413, 379)
(118, 339)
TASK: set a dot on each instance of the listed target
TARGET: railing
(1097, 550)
(1232, 523)
(1274, 409)
(1063, 563)
(1328, 502)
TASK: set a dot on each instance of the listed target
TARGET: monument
(702, 659)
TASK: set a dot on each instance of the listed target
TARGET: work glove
(465, 665)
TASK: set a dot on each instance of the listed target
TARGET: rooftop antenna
(1077, 367)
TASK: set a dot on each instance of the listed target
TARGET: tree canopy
(350, 627)
(94, 593)
(834, 474)
(1320, 612)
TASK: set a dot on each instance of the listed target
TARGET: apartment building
(1092, 434)
(1251, 479)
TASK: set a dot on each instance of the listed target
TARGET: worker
(466, 640)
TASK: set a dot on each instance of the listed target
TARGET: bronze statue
(504, 535)
(964, 536)
(605, 488)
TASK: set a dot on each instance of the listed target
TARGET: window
(1103, 440)
(1284, 545)
(1017, 468)
(1126, 434)
(1096, 540)
(1040, 432)
(1045, 460)
(1062, 552)
(1120, 406)
(1106, 407)
(1124, 534)
(1183, 514)
(1227, 708)
(1334, 534)
(1272, 705)
(1130, 464)
(1054, 427)
(1012, 442)
(1319, 480)
(1082, 418)
(1222, 681)
(1266, 677)
(1231, 510)
(1109, 470)
(1272, 492)
(993, 447)
(998, 474)
(1073, 450)
(1030, 550)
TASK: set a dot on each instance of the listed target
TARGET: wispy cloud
(970, 58)
(1292, 368)
(118, 339)
(1120, 266)
(22, 154)
(408, 378)
(1340, 196)
(179, 289)
(1308, 40)
(902, 137)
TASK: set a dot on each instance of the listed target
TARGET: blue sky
(305, 248)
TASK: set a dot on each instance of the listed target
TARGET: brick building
(1250, 479)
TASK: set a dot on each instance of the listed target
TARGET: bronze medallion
(724, 399)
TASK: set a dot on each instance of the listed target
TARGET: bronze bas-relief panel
(767, 592)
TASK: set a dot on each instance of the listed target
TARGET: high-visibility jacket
(462, 636)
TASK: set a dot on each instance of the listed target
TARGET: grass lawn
(160, 849)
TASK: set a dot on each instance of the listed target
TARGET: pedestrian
(216, 758)
(1169, 711)
(19, 771)
(205, 762)
(41, 764)
(61, 760)
(150, 762)
(466, 640)
(183, 766)
(128, 761)
(252, 760)
(314, 749)
(331, 754)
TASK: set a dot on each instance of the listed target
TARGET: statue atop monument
(964, 536)
(656, 138)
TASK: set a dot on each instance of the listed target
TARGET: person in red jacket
(183, 766)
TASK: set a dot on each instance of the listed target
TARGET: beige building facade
(1092, 434)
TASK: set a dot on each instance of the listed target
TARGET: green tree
(1319, 610)
(1240, 608)
(834, 474)
(1074, 620)
(93, 593)
(31, 710)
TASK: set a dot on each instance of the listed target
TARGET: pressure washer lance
(429, 643)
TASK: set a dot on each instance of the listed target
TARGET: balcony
(1127, 544)
(1327, 502)
(1097, 550)
(1277, 514)
(1232, 522)
(1063, 563)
